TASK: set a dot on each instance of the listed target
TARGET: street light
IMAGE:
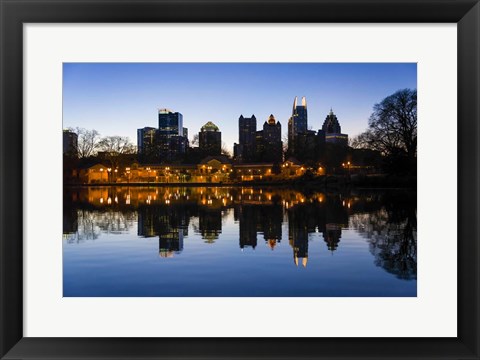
(128, 174)
(347, 166)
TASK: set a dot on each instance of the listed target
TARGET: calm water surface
(233, 241)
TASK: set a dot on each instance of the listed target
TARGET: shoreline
(307, 184)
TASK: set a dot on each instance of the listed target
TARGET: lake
(238, 241)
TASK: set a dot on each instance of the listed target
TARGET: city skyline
(117, 99)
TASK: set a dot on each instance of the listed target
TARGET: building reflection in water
(167, 212)
(167, 221)
(210, 224)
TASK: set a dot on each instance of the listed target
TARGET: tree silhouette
(87, 141)
(392, 130)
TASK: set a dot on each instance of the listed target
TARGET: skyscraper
(170, 135)
(269, 141)
(297, 124)
(210, 139)
(332, 131)
(247, 128)
(70, 143)
(146, 144)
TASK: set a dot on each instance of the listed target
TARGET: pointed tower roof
(304, 101)
(209, 126)
(271, 120)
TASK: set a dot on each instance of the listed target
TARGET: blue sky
(118, 98)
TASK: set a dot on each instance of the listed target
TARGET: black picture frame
(14, 13)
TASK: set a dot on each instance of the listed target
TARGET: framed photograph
(239, 179)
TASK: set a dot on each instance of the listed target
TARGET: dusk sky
(119, 98)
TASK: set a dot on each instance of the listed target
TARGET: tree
(392, 129)
(116, 145)
(285, 144)
(87, 141)
(196, 140)
(113, 147)
(225, 151)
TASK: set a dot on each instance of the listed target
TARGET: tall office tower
(210, 139)
(271, 141)
(146, 144)
(247, 128)
(332, 131)
(297, 124)
(170, 135)
(70, 143)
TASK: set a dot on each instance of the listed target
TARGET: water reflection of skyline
(170, 213)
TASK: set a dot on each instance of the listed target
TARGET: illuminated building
(297, 124)
(170, 135)
(269, 141)
(245, 150)
(210, 139)
(332, 131)
(146, 144)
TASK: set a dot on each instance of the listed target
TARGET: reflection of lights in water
(128, 200)
(166, 253)
(272, 243)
